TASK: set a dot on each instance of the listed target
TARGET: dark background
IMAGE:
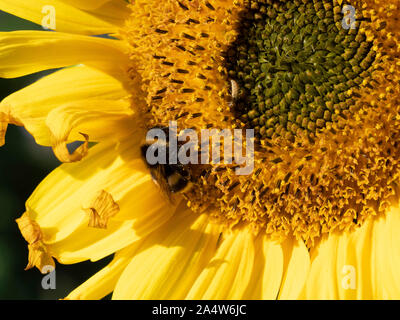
(23, 164)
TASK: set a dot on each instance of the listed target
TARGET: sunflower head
(318, 85)
(317, 81)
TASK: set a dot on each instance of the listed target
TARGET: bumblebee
(171, 178)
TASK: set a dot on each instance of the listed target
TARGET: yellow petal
(99, 120)
(25, 52)
(31, 106)
(66, 17)
(169, 260)
(114, 12)
(267, 272)
(297, 265)
(322, 281)
(229, 273)
(87, 4)
(359, 265)
(58, 204)
(341, 266)
(353, 263)
(104, 282)
(385, 257)
(393, 243)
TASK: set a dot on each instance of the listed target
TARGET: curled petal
(61, 151)
(29, 228)
(39, 257)
(102, 208)
(38, 252)
(100, 119)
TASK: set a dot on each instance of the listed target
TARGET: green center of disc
(293, 64)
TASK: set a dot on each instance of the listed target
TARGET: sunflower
(317, 80)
